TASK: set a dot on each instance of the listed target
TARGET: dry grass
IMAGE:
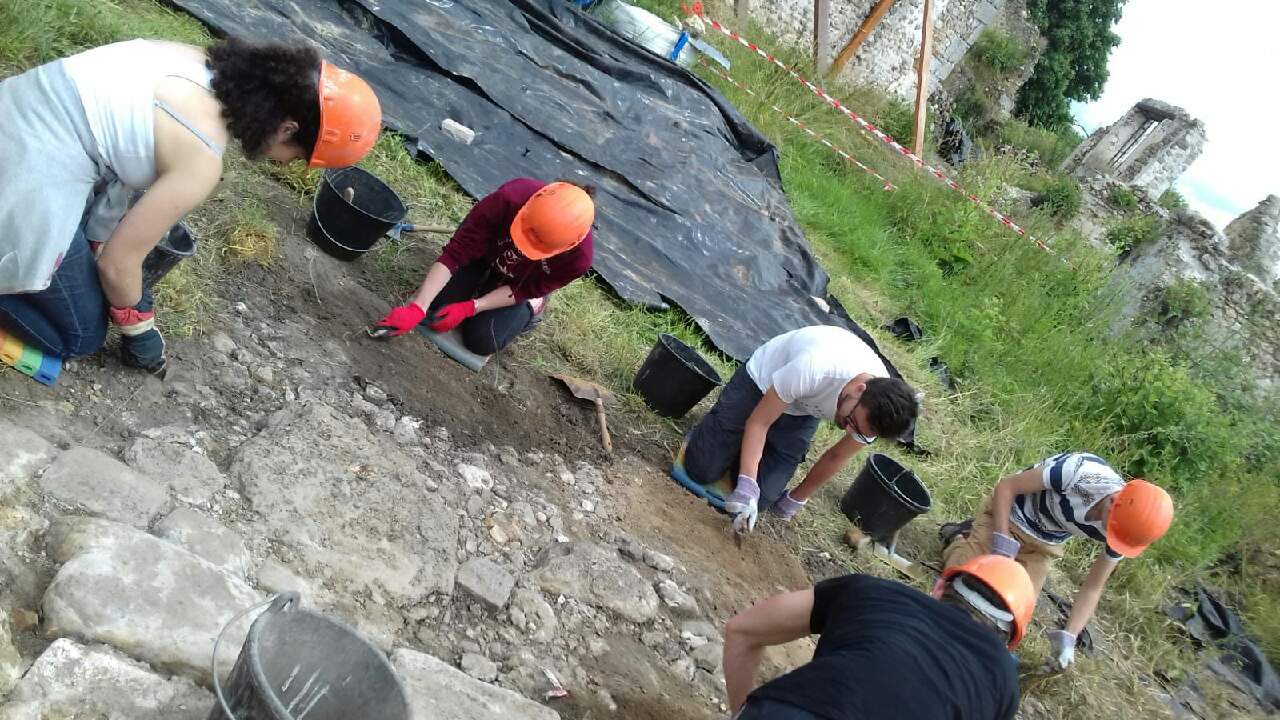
(252, 237)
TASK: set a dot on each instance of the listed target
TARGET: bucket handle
(315, 213)
(283, 602)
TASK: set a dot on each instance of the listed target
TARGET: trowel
(595, 393)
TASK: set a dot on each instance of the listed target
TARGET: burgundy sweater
(485, 235)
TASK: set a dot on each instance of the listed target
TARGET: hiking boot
(948, 532)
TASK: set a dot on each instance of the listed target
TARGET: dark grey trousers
(771, 710)
(716, 441)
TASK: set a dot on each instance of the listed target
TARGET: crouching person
(765, 418)
(887, 651)
(1032, 514)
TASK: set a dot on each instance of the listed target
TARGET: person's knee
(478, 337)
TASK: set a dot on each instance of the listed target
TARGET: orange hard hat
(554, 220)
(1008, 580)
(350, 119)
(1140, 514)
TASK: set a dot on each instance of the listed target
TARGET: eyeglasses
(854, 431)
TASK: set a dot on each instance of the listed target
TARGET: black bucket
(177, 245)
(674, 378)
(298, 665)
(348, 229)
(884, 497)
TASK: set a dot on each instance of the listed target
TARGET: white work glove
(1063, 644)
(743, 504)
(1005, 545)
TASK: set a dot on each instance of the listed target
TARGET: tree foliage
(1074, 65)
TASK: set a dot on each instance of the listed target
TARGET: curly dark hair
(891, 405)
(262, 85)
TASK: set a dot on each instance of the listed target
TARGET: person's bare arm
(1010, 486)
(762, 417)
(170, 197)
(773, 621)
(827, 466)
(437, 277)
(499, 297)
(1090, 593)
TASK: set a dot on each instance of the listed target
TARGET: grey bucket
(299, 665)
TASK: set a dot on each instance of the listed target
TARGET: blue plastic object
(703, 491)
(49, 370)
(684, 40)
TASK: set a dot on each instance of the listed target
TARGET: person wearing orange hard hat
(885, 650)
(107, 150)
(1032, 514)
(519, 244)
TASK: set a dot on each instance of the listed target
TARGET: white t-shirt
(809, 367)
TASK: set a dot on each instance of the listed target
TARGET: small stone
(487, 581)
(476, 478)
(658, 561)
(406, 431)
(385, 420)
(680, 602)
(540, 516)
(234, 376)
(499, 535)
(222, 343)
(588, 505)
(475, 505)
(700, 628)
(531, 612)
(565, 476)
(479, 667)
(431, 485)
(708, 657)
(264, 374)
(375, 393)
(242, 308)
(274, 577)
(509, 456)
(24, 620)
(245, 357)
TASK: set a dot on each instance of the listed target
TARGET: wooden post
(877, 13)
(922, 78)
(742, 11)
(821, 34)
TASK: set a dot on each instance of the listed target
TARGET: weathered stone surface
(487, 580)
(274, 577)
(70, 680)
(708, 657)
(599, 576)
(476, 478)
(1255, 240)
(20, 530)
(206, 538)
(10, 661)
(440, 692)
(532, 613)
(349, 506)
(479, 667)
(192, 477)
(22, 454)
(658, 561)
(680, 602)
(101, 485)
(146, 597)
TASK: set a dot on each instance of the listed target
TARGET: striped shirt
(1074, 483)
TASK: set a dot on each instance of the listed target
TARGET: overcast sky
(1221, 62)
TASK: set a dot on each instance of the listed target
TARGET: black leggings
(489, 331)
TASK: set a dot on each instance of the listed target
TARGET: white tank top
(117, 86)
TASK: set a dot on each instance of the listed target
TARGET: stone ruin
(1145, 152)
(1148, 148)
(887, 59)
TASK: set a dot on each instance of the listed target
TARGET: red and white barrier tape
(800, 124)
(867, 126)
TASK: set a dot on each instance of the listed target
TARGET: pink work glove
(451, 316)
(399, 321)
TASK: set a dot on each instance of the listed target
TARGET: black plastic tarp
(691, 209)
(1213, 624)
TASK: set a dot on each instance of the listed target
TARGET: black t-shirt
(888, 651)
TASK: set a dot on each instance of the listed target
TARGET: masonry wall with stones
(1148, 148)
(1239, 269)
(887, 59)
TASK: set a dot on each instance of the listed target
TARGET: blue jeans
(716, 441)
(771, 710)
(67, 319)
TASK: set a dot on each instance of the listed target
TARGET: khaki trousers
(1034, 555)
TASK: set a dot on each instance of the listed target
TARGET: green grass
(1050, 147)
(999, 51)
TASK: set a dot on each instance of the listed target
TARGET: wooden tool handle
(604, 427)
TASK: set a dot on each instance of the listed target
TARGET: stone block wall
(887, 59)
(1148, 148)
(1254, 241)
(1243, 306)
